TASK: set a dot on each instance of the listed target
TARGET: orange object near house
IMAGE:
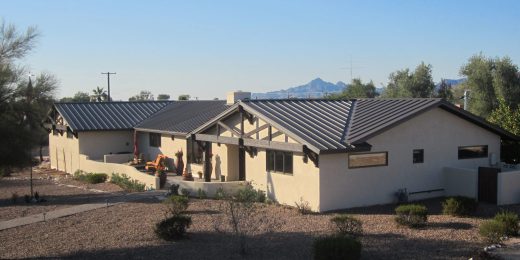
(158, 165)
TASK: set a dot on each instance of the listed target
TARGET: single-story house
(332, 154)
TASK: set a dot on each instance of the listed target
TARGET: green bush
(174, 189)
(412, 215)
(220, 194)
(336, 247)
(348, 225)
(125, 183)
(303, 206)
(492, 231)
(185, 192)
(249, 194)
(459, 206)
(173, 228)
(201, 194)
(90, 177)
(510, 220)
(176, 204)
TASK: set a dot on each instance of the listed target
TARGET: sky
(207, 48)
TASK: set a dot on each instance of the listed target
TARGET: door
(241, 164)
(487, 184)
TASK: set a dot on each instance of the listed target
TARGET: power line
(108, 79)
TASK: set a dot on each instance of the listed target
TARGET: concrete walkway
(110, 201)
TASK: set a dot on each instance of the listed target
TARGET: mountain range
(317, 88)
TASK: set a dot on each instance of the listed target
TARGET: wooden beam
(272, 136)
(258, 129)
(232, 130)
(273, 145)
(216, 139)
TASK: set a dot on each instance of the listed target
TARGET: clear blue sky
(206, 48)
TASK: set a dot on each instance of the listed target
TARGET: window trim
(284, 154)
(413, 156)
(467, 146)
(367, 166)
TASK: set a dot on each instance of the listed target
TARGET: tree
(356, 89)
(23, 105)
(444, 91)
(406, 84)
(144, 95)
(184, 97)
(163, 97)
(509, 119)
(99, 94)
(78, 97)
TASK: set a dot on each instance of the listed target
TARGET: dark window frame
(421, 158)
(367, 166)
(272, 163)
(463, 152)
(154, 139)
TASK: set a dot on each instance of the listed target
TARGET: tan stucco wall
(168, 147)
(63, 152)
(283, 188)
(438, 132)
(95, 144)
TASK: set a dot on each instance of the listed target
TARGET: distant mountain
(452, 82)
(316, 88)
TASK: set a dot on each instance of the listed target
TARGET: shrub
(220, 194)
(412, 215)
(492, 231)
(336, 247)
(174, 189)
(90, 177)
(459, 206)
(348, 225)
(185, 192)
(201, 193)
(510, 220)
(249, 194)
(124, 182)
(176, 204)
(303, 206)
(173, 228)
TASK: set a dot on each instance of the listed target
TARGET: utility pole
(466, 97)
(108, 78)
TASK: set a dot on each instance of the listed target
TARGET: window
(475, 151)
(155, 140)
(418, 156)
(279, 161)
(358, 160)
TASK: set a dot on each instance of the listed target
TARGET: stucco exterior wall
(95, 144)
(460, 182)
(283, 188)
(64, 152)
(168, 147)
(438, 132)
(508, 188)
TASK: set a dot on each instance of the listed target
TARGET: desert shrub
(249, 194)
(303, 206)
(90, 177)
(201, 194)
(510, 220)
(173, 228)
(176, 204)
(412, 215)
(336, 247)
(174, 189)
(220, 194)
(185, 192)
(348, 225)
(492, 231)
(126, 183)
(459, 206)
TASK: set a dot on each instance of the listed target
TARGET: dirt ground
(125, 231)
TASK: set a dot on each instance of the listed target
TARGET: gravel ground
(125, 231)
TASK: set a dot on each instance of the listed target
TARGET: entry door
(241, 164)
(487, 184)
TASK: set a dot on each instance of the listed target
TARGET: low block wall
(87, 165)
(460, 182)
(210, 188)
(118, 158)
(508, 188)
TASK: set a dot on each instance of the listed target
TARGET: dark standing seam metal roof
(343, 125)
(182, 117)
(95, 116)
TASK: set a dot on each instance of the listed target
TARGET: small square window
(155, 140)
(418, 156)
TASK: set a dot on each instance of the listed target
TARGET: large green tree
(488, 80)
(445, 91)
(356, 89)
(23, 103)
(406, 84)
(78, 97)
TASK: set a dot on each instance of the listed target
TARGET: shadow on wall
(218, 170)
(271, 194)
